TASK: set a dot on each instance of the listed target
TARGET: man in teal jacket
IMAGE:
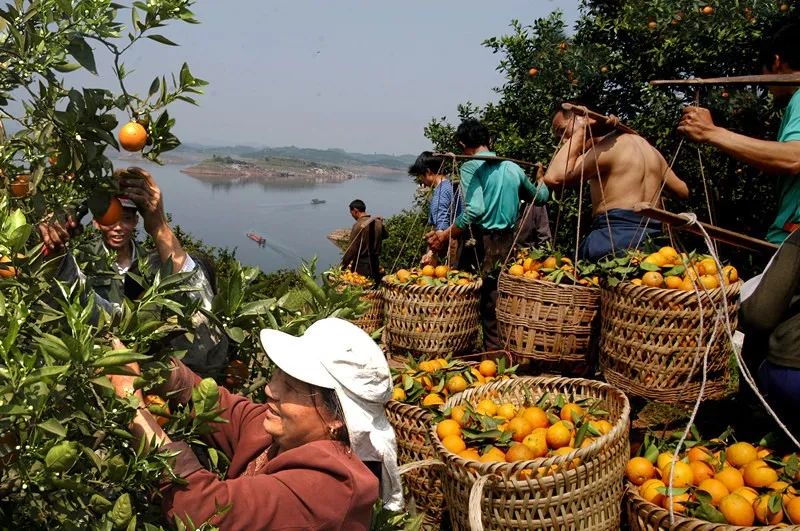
(491, 192)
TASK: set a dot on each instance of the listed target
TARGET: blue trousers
(780, 386)
(624, 228)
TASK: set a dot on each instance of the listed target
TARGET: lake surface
(222, 214)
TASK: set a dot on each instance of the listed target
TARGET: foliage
(405, 245)
(615, 50)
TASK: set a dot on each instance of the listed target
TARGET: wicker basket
(585, 497)
(645, 516)
(546, 322)
(650, 345)
(427, 321)
(372, 319)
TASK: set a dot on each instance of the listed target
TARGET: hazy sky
(360, 75)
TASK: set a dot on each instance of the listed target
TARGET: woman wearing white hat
(297, 461)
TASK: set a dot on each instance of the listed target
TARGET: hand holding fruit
(140, 187)
(56, 235)
(436, 239)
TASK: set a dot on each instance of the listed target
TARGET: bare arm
(675, 185)
(575, 160)
(777, 158)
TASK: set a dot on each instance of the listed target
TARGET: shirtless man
(622, 170)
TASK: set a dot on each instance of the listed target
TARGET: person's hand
(142, 189)
(427, 258)
(697, 124)
(436, 239)
(123, 383)
(56, 235)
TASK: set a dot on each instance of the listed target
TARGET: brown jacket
(320, 485)
(364, 250)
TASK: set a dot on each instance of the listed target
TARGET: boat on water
(316, 201)
(260, 240)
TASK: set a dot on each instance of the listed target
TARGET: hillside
(335, 157)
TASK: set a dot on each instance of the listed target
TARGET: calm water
(221, 215)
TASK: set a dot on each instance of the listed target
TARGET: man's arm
(139, 185)
(355, 243)
(777, 158)
(573, 161)
(675, 185)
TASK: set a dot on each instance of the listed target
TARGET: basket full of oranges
(534, 453)
(661, 313)
(372, 319)
(420, 390)
(546, 307)
(716, 486)
(432, 311)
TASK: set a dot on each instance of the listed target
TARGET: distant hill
(333, 157)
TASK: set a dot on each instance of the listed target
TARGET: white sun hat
(336, 354)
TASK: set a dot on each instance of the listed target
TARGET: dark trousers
(495, 247)
(780, 386)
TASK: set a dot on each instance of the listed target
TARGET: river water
(222, 214)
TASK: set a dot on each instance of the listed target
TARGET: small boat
(260, 240)
(316, 201)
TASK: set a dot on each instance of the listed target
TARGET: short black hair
(358, 204)
(785, 44)
(472, 133)
(425, 163)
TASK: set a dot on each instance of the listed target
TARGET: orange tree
(612, 52)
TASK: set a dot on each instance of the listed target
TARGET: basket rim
(619, 430)
(627, 285)
(631, 496)
(546, 283)
(470, 286)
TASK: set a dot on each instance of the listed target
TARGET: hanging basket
(645, 516)
(372, 319)
(429, 321)
(651, 344)
(555, 493)
(546, 322)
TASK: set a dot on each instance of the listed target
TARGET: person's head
(119, 235)
(780, 54)
(426, 168)
(563, 120)
(472, 135)
(357, 208)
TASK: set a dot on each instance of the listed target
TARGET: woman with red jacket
(297, 461)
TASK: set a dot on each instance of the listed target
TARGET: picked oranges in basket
(428, 383)
(429, 275)
(545, 264)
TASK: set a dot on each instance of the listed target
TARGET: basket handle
(475, 495)
(425, 463)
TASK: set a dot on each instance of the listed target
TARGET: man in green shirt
(491, 192)
(781, 55)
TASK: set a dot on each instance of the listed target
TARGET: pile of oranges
(739, 484)
(429, 275)
(542, 264)
(667, 268)
(428, 383)
(352, 278)
(493, 430)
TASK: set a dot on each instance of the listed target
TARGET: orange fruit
(516, 270)
(715, 488)
(656, 258)
(653, 279)
(519, 452)
(448, 427)
(507, 411)
(520, 428)
(492, 454)
(670, 254)
(708, 10)
(558, 435)
(730, 274)
(454, 443)
(162, 409)
(487, 368)
(781, 487)
(486, 407)
(602, 425)
(701, 471)
(638, 470)
(456, 384)
(698, 453)
(763, 513)
(443, 363)
(458, 414)
(677, 501)
(550, 263)
(709, 266)
(663, 459)
(470, 453)
(681, 472)
(428, 271)
(737, 510)
(536, 417)
(536, 441)
(433, 399)
(792, 508)
(6, 271)
(399, 394)
(731, 477)
(709, 281)
(759, 474)
(113, 213)
(636, 281)
(403, 275)
(527, 264)
(673, 282)
(570, 410)
(132, 136)
(649, 491)
(533, 72)
(740, 454)
(441, 271)
(748, 493)
(687, 284)
(20, 187)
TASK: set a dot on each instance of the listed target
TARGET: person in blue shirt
(444, 205)
(781, 158)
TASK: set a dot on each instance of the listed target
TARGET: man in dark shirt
(366, 237)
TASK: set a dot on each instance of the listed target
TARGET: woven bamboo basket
(645, 516)
(651, 344)
(412, 426)
(546, 322)
(558, 494)
(428, 321)
(373, 317)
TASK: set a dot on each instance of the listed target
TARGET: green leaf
(122, 512)
(43, 373)
(706, 511)
(61, 457)
(82, 52)
(54, 427)
(235, 333)
(119, 357)
(162, 40)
